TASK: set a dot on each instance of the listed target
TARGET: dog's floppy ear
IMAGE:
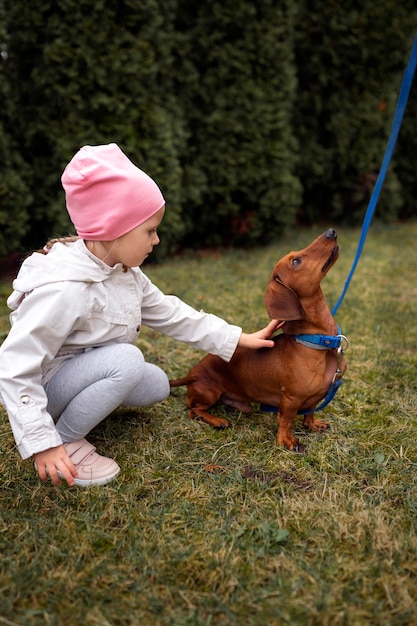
(282, 303)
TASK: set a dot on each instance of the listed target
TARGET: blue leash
(396, 125)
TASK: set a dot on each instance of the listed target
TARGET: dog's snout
(331, 234)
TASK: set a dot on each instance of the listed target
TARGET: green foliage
(242, 154)
(250, 116)
(405, 156)
(15, 197)
(90, 73)
(350, 62)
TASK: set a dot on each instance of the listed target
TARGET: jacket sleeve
(41, 324)
(171, 316)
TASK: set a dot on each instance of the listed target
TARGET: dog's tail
(179, 382)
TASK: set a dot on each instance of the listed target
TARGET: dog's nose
(331, 234)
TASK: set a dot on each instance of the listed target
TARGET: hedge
(252, 117)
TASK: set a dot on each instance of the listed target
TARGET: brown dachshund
(296, 374)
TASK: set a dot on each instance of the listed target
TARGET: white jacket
(69, 301)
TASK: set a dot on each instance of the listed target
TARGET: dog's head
(298, 275)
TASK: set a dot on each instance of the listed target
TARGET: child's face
(135, 246)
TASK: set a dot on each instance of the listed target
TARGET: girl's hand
(260, 339)
(48, 462)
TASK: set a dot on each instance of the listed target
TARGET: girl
(70, 357)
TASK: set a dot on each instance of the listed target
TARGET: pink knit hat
(106, 195)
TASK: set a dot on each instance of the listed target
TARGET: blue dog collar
(322, 342)
(319, 342)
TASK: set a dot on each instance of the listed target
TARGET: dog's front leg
(286, 417)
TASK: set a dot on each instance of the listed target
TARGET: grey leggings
(88, 387)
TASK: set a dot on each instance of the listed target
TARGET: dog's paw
(315, 425)
(291, 443)
(217, 422)
(221, 424)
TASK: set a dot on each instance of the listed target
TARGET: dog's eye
(296, 261)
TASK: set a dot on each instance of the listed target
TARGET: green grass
(212, 528)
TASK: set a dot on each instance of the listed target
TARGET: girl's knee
(153, 387)
(130, 351)
(160, 381)
(130, 357)
(165, 386)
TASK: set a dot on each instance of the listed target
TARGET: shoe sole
(87, 482)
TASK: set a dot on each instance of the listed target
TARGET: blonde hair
(69, 239)
(51, 242)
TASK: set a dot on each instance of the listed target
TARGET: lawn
(208, 528)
